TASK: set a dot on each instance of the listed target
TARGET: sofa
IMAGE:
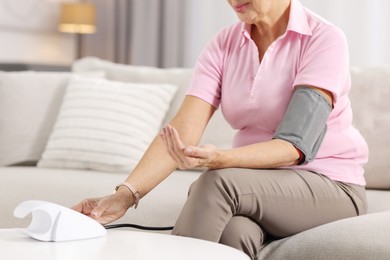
(38, 110)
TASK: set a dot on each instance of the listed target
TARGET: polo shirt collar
(298, 19)
(297, 22)
(246, 33)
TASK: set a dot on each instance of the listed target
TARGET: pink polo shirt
(254, 96)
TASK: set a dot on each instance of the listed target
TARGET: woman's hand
(106, 209)
(189, 157)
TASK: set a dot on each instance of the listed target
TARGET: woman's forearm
(154, 167)
(157, 164)
(271, 154)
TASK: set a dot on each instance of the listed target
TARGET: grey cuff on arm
(304, 124)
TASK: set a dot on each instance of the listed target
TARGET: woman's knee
(207, 209)
(210, 180)
(212, 190)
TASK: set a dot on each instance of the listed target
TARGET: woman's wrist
(125, 196)
(221, 159)
(133, 191)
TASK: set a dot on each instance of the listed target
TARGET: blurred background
(162, 33)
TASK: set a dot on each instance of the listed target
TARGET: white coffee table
(117, 244)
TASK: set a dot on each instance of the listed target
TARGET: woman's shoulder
(321, 27)
(229, 32)
(235, 27)
(228, 37)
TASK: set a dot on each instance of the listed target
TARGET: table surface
(117, 244)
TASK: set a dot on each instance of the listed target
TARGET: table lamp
(78, 18)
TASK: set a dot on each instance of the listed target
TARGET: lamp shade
(77, 18)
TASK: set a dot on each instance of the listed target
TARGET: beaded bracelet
(133, 191)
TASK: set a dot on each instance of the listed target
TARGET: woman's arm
(155, 165)
(270, 154)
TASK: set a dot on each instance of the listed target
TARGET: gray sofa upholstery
(29, 103)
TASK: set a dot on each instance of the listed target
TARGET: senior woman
(281, 78)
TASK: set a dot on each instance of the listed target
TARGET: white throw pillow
(218, 131)
(139, 74)
(105, 125)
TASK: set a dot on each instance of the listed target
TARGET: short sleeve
(325, 61)
(207, 78)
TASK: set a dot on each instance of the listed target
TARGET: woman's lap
(282, 202)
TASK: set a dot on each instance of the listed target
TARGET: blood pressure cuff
(304, 124)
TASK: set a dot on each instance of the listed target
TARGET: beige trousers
(246, 208)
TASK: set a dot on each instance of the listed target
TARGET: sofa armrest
(363, 237)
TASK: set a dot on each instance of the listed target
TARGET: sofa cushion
(363, 237)
(29, 103)
(370, 95)
(218, 132)
(105, 125)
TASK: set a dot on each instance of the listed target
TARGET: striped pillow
(105, 125)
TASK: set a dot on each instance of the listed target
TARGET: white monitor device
(52, 222)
